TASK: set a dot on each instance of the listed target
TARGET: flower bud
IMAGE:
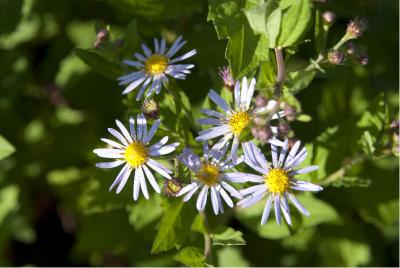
(356, 27)
(227, 77)
(150, 109)
(328, 17)
(283, 128)
(290, 112)
(261, 101)
(335, 57)
(172, 187)
(101, 36)
(363, 59)
(350, 48)
(264, 134)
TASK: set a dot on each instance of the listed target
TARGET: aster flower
(134, 152)
(277, 182)
(155, 67)
(231, 123)
(209, 176)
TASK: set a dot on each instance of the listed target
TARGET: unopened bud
(357, 27)
(101, 36)
(290, 112)
(264, 134)
(261, 101)
(150, 109)
(363, 59)
(172, 187)
(336, 57)
(329, 17)
(350, 48)
(283, 128)
(227, 77)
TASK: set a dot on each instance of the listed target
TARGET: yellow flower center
(238, 121)
(208, 174)
(277, 181)
(136, 154)
(155, 64)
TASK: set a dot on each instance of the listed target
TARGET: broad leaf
(191, 256)
(6, 148)
(228, 237)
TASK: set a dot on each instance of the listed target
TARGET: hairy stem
(280, 77)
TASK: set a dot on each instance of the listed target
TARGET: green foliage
(228, 237)
(191, 256)
(6, 148)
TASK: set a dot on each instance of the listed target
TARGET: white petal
(202, 198)
(162, 46)
(250, 93)
(136, 186)
(142, 127)
(118, 136)
(274, 153)
(156, 46)
(143, 88)
(237, 94)
(209, 121)
(110, 164)
(124, 171)
(231, 190)
(184, 56)
(266, 211)
(151, 179)
(214, 200)
(222, 142)
(292, 152)
(190, 159)
(304, 170)
(187, 188)
(134, 85)
(146, 50)
(213, 132)
(123, 179)
(253, 189)
(251, 199)
(113, 143)
(282, 155)
(152, 131)
(133, 63)
(140, 57)
(164, 150)
(174, 48)
(218, 100)
(132, 128)
(234, 149)
(277, 204)
(190, 194)
(109, 153)
(124, 131)
(142, 182)
(159, 144)
(226, 197)
(243, 93)
(285, 210)
(305, 186)
(212, 113)
(159, 168)
(243, 177)
(298, 205)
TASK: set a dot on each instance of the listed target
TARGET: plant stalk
(280, 77)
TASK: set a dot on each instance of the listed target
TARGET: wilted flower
(357, 27)
(172, 187)
(209, 176)
(350, 48)
(234, 120)
(277, 182)
(150, 108)
(227, 77)
(363, 59)
(329, 17)
(133, 150)
(335, 57)
(155, 67)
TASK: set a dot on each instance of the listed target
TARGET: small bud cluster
(227, 77)
(356, 28)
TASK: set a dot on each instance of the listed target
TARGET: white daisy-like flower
(276, 182)
(155, 67)
(209, 175)
(133, 150)
(231, 123)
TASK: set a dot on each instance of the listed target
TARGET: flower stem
(280, 77)
(207, 239)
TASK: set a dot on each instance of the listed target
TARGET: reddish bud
(329, 17)
(363, 59)
(336, 57)
(357, 27)
(226, 75)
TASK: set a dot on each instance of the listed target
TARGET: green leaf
(304, 118)
(6, 148)
(319, 33)
(8, 201)
(64, 176)
(245, 49)
(174, 226)
(191, 256)
(145, 212)
(296, 16)
(98, 63)
(10, 14)
(228, 237)
(320, 211)
(231, 257)
(299, 80)
(132, 40)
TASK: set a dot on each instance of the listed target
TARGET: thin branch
(280, 77)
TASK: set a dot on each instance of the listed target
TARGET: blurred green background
(55, 208)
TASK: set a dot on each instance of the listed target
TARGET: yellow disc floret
(136, 154)
(155, 64)
(238, 121)
(277, 181)
(208, 174)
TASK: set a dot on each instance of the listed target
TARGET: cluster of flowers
(274, 180)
